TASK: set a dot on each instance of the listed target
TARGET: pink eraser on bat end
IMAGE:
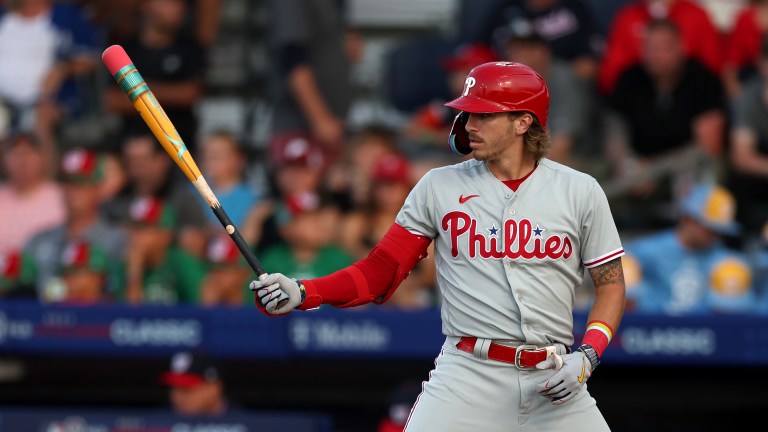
(115, 58)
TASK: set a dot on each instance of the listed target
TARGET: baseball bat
(131, 82)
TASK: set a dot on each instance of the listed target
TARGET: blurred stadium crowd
(663, 101)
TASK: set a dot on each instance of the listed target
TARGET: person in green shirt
(84, 270)
(228, 274)
(156, 270)
(17, 275)
(308, 225)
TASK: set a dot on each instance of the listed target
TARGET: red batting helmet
(498, 87)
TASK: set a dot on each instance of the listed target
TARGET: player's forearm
(373, 278)
(355, 285)
(608, 308)
(609, 305)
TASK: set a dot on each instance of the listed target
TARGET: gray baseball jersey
(508, 263)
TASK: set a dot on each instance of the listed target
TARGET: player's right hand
(272, 289)
(573, 371)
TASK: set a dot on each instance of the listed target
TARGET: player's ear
(522, 122)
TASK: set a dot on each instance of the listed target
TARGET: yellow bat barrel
(131, 82)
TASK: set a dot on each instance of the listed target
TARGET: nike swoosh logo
(583, 371)
(463, 199)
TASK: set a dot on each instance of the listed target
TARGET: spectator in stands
(156, 271)
(228, 275)
(150, 173)
(223, 163)
(82, 176)
(350, 181)
(744, 46)
(570, 103)
(756, 248)
(567, 26)
(44, 47)
(430, 125)
(392, 181)
(626, 39)
(673, 110)
(196, 389)
(688, 269)
(120, 19)
(309, 225)
(29, 201)
(172, 65)
(314, 92)
(749, 151)
(84, 270)
(17, 276)
(296, 165)
(391, 184)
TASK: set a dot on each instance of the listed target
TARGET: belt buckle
(519, 351)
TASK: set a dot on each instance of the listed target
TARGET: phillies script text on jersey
(517, 236)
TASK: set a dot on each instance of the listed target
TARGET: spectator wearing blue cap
(688, 269)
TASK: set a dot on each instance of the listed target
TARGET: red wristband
(598, 335)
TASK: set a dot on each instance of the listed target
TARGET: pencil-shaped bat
(130, 81)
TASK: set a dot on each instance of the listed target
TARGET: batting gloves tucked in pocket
(278, 294)
(573, 371)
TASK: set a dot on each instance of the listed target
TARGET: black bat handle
(241, 244)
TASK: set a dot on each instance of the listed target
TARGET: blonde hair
(537, 139)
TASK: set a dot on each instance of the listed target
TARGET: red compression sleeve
(373, 278)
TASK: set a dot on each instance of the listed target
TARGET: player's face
(491, 135)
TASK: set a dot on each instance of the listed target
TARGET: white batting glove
(573, 371)
(278, 294)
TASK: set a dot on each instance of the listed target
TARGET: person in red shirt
(743, 45)
(701, 38)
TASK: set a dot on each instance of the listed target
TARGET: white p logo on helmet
(468, 84)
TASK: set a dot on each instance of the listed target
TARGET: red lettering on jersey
(519, 239)
(452, 219)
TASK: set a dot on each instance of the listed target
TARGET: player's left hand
(272, 288)
(573, 371)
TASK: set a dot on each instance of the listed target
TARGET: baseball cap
(190, 370)
(467, 56)
(713, 206)
(82, 166)
(297, 149)
(392, 168)
(15, 268)
(297, 204)
(731, 283)
(222, 252)
(81, 255)
(519, 29)
(152, 211)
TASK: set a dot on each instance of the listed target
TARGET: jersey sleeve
(600, 240)
(417, 212)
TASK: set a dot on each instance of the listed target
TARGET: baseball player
(513, 232)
